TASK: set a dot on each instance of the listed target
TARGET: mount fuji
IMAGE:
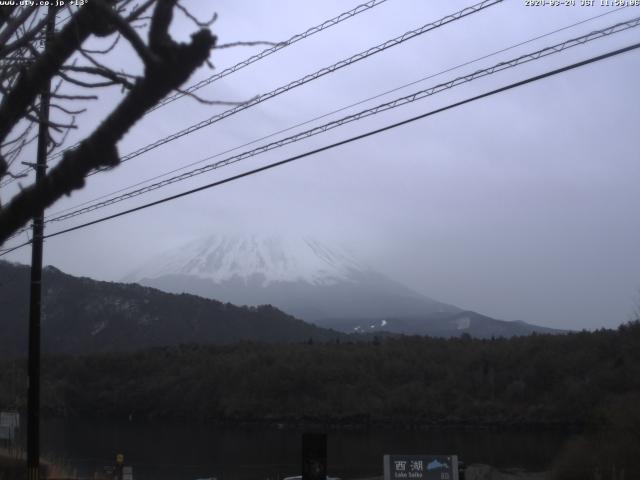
(313, 281)
(302, 276)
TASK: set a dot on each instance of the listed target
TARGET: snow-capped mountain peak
(302, 276)
(268, 259)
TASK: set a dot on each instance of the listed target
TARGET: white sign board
(6, 433)
(127, 473)
(10, 419)
(9, 423)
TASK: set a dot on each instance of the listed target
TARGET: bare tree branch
(5, 13)
(245, 44)
(192, 17)
(28, 37)
(159, 38)
(106, 50)
(84, 84)
(16, 176)
(60, 142)
(66, 110)
(114, 77)
(212, 102)
(32, 80)
(128, 32)
(13, 24)
(58, 127)
(137, 13)
(74, 97)
(176, 62)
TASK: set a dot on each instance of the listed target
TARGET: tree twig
(245, 44)
(98, 150)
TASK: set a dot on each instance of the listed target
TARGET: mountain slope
(318, 283)
(439, 325)
(301, 276)
(81, 315)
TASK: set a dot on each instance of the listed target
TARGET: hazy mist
(522, 206)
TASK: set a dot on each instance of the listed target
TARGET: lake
(171, 450)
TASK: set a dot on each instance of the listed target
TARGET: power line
(360, 115)
(355, 138)
(346, 141)
(313, 76)
(503, 65)
(244, 63)
(360, 102)
(395, 103)
(259, 56)
(6, 251)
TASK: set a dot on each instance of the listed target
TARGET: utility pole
(33, 398)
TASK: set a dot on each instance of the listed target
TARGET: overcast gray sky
(522, 206)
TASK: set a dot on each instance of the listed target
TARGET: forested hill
(540, 379)
(81, 315)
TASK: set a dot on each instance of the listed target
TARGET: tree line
(541, 380)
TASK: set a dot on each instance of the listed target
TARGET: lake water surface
(163, 451)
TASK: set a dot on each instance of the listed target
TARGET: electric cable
(360, 102)
(308, 78)
(536, 55)
(346, 141)
(279, 46)
(248, 61)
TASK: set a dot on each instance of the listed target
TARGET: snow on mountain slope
(314, 282)
(302, 276)
(221, 258)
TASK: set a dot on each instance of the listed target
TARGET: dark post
(33, 399)
(314, 456)
(119, 467)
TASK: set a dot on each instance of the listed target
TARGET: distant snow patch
(145, 320)
(98, 328)
(463, 323)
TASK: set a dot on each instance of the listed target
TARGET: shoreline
(355, 423)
